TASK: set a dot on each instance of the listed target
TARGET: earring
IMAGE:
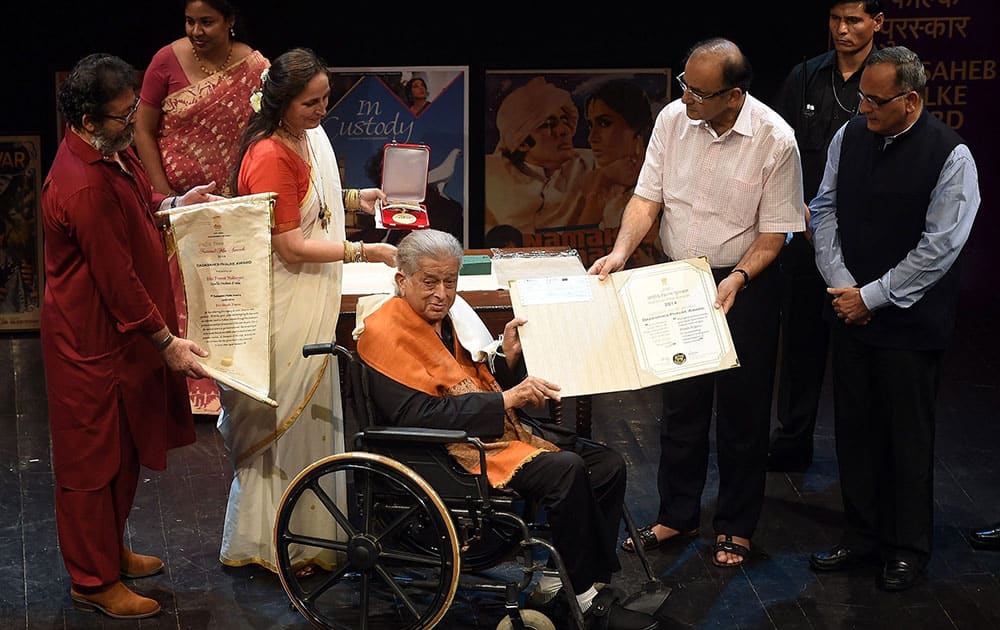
(232, 32)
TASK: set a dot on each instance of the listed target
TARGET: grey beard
(111, 144)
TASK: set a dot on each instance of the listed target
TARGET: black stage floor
(179, 513)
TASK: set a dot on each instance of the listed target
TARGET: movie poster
(20, 233)
(372, 107)
(563, 153)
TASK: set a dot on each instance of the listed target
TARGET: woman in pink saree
(193, 107)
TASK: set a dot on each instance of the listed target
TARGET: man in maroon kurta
(114, 372)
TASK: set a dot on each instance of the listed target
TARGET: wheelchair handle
(310, 349)
(329, 347)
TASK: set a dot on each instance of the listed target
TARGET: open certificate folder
(637, 328)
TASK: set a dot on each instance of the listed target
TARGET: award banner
(959, 44)
(224, 249)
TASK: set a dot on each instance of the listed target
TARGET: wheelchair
(411, 530)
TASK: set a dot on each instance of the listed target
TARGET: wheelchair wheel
(370, 579)
(533, 620)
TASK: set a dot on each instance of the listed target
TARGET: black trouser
(804, 342)
(583, 491)
(742, 397)
(884, 414)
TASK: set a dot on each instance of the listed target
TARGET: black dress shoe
(986, 538)
(840, 558)
(899, 575)
(606, 613)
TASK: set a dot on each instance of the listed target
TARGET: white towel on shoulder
(472, 332)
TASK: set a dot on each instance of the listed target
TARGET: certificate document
(224, 250)
(637, 328)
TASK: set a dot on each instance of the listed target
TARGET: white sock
(586, 598)
(549, 584)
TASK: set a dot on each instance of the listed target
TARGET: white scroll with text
(224, 249)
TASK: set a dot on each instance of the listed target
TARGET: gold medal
(404, 218)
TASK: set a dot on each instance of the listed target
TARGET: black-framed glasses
(699, 98)
(127, 118)
(877, 102)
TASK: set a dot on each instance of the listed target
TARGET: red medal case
(404, 181)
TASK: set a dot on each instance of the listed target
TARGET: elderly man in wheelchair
(430, 364)
(424, 375)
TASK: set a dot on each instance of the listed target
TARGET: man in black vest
(817, 98)
(894, 209)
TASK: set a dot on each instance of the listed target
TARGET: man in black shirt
(817, 98)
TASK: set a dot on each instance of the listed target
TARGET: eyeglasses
(127, 118)
(877, 102)
(698, 98)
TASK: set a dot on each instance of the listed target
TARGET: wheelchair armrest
(414, 434)
(422, 435)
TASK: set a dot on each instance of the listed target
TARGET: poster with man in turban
(563, 153)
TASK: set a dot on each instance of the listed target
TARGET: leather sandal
(727, 545)
(305, 571)
(650, 542)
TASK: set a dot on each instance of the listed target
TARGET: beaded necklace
(201, 64)
(285, 130)
(324, 211)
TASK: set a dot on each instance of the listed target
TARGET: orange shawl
(401, 345)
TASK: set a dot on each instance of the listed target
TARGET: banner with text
(224, 249)
(959, 43)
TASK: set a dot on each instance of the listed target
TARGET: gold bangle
(352, 199)
(363, 256)
(348, 252)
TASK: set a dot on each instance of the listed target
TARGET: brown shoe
(138, 566)
(116, 601)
